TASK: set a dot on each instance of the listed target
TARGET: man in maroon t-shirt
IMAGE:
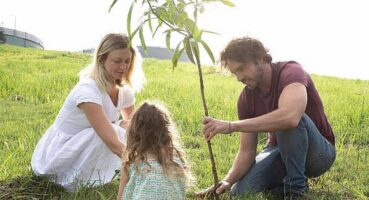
(281, 99)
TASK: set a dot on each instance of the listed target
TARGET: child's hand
(124, 124)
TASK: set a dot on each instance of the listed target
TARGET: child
(153, 165)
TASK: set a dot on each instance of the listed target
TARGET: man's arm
(242, 163)
(244, 159)
(291, 107)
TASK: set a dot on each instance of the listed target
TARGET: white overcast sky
(328, 37)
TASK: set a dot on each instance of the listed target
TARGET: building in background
(161, 53)
(19, 38)
(153, 52)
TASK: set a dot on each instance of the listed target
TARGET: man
(281, 99)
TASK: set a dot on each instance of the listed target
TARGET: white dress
(71, 153)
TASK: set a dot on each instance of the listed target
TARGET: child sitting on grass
(153, 164)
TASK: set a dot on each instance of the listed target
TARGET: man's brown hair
(245, 50)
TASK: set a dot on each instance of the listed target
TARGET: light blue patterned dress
(150, 183)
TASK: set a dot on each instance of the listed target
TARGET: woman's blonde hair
(97, 71)
(153, 132)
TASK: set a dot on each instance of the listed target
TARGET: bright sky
(328, 37)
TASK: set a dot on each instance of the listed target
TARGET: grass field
(34, 84)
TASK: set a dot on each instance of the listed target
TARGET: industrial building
(19, 38)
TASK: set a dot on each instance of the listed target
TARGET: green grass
(34, 84)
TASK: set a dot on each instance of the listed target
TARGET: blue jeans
(301, 152)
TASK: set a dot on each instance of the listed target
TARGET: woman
(85, 143)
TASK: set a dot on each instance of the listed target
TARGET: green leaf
(150, 23)
(157, 28)
(142, 38)
(132, 36)
(135, 31)
(208, 50)
(179, 18)
(187, 45)
(129, 17)
(167, 38)
(172, 8)
(195, 50)
(189, 24)
(210, 1)
(228, 3)
(191, 27)
(163, 14)
(181, 5)
(112, 4)
(197, 35)
(211, 32)
(176, 55)
(179, 55)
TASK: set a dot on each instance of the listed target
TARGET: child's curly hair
(153, 132)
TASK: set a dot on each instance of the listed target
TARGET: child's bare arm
(123, 182)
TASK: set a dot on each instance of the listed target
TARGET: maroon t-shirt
(253, 103)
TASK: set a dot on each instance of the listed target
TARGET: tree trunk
(213, 166)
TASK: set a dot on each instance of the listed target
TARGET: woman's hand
(214, 126)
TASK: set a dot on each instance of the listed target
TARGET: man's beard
(258, 78)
